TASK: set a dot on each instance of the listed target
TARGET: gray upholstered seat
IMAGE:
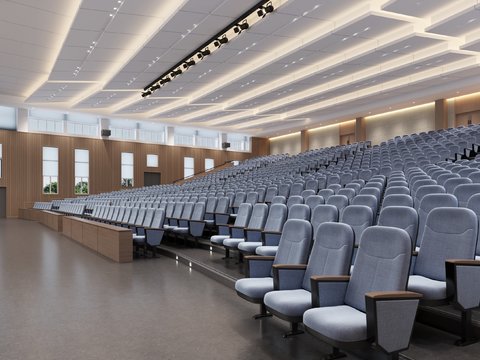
(252, 232)
(463, 193)
(397, 190)
(359, 217)
(397, 200)
(331, 255)
(445, 269)
(322, 214)
(313, 201)
(326, 193)
(340, 315)
(451, 184)
(241, 221)
(294, 199)
(297, 211)
(422, 191)
(293, 248)
(428, 203)
(277, 216)
(340, 201)
(401, 217)
(474, 205)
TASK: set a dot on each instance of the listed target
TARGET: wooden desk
(113, 242)
(30, 214)
(52, 219)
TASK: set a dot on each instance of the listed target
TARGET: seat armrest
(328, 290)
(259, 266)
(288, 276)
(462, 282)
(390, 318)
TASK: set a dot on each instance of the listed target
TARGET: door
(150, 178)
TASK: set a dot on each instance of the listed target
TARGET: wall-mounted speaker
(106, 132)
(225, 145)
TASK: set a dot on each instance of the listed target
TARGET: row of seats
(387, 283)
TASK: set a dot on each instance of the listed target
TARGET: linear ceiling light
(234, 29)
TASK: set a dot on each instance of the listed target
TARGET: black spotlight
(155, 87)
(269, 8)
(146, 94)
(205, 52)
(240, 27)
(264, 10)
(190, 62)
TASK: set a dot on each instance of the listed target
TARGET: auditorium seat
(331, 255)
(293, 249)
(440, 272)
(367, 307)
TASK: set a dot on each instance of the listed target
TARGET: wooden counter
(30, 214)
(113, 242)
(52, 219)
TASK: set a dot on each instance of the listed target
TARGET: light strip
(404, 110)
(284, 136)
(391, 85)
(322, 30)
(157, 21)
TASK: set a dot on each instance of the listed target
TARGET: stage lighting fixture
(240, 27)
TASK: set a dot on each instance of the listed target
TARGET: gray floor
(58, 300)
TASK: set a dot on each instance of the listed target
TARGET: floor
(59, 300)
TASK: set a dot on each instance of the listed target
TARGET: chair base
(467, 337)
(263, 313)
(335, 354)
(293, 331)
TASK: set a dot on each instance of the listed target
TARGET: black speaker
(106, 132)
(225, 145)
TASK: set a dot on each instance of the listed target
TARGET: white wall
(324, 137)
(387, 126)
(286, 144)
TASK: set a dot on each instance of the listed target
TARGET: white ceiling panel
(316, 9)
(417, 8)
(458, 23)
(339, 48)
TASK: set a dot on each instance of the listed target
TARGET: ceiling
(306, 64)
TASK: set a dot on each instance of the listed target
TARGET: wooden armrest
(249, 229)
(290, 266)
(393, 295)
(464, 262)
(258, 257)
(236, 227)
(327, 278)
(272, 232)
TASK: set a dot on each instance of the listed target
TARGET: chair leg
(227, 254)
(467, 336)
(335, 354)
(293, 330)
(263, 313)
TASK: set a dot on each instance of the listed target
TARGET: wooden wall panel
(22, 164)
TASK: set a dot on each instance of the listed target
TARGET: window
(209, 164)
(188, 167)
(81, 171)
(127, 169)
(50, 170)
(125, 134)
(181, 139)
(207, 142)
(8, 118)
(152, 160)
(157, 137)
(47, 121)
